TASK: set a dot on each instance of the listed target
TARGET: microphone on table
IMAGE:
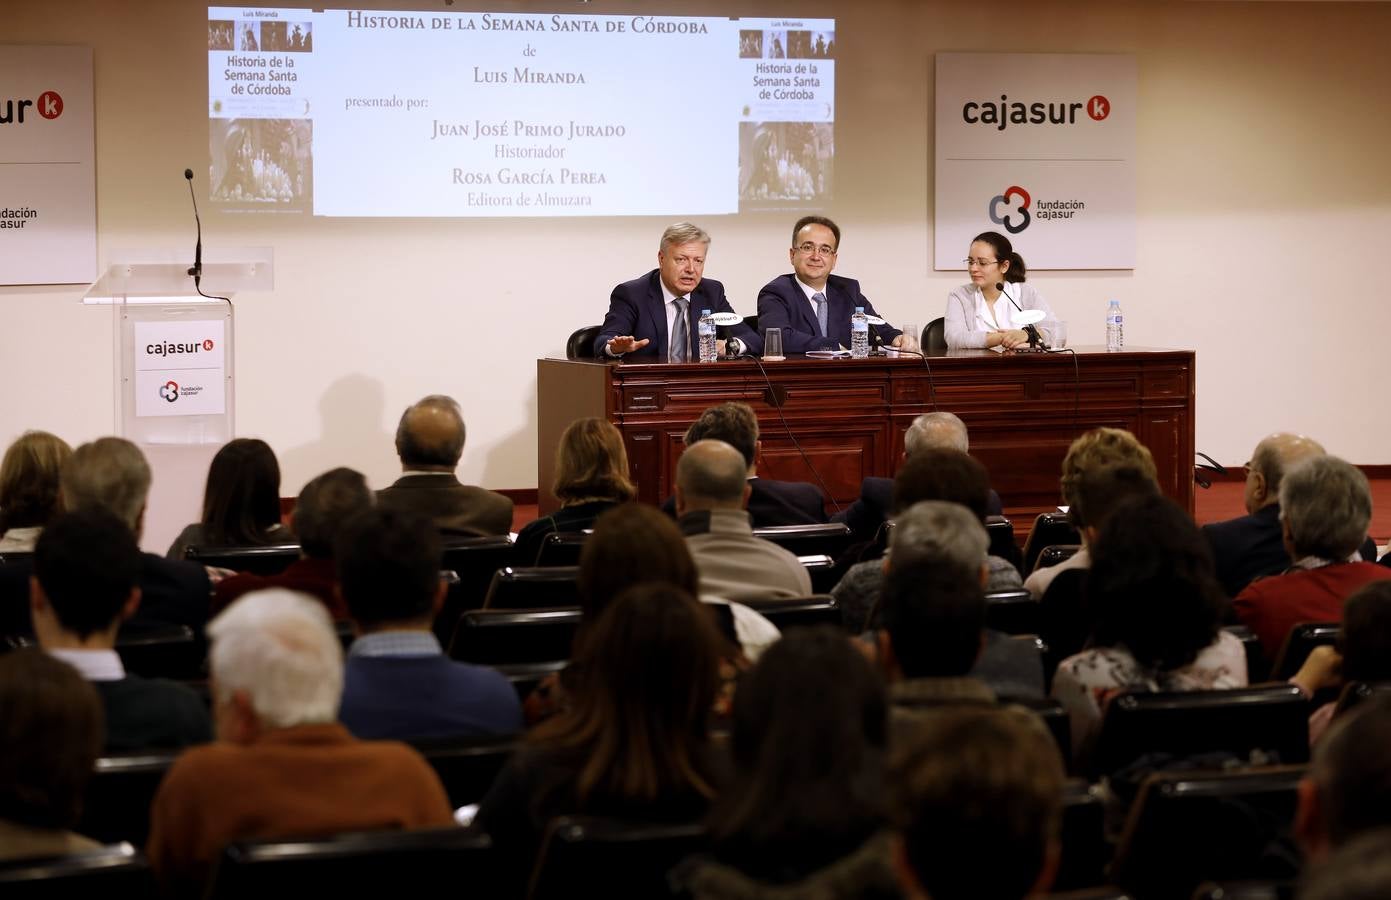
(723, 323)
(1035, 339)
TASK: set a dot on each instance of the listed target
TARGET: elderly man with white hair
(282, 765)
(1325, 508)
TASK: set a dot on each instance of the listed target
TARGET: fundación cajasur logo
(169, 391)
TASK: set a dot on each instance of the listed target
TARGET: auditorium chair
(1270, 718)
(562, 548)
(1054, 554)
(1013, 612)
(116, 805)
(1247, 890)
(609, 858)
(526, 676)
(830, 538)
(534, 588)
(15, 569)
(580, 344)
(1050, 711)
(466, 766)
(474, 560)
(934, 337)
(1048, 529)
(501, 637)
(367, 864)
(269, 559)
(1085, 851)
(162, 651)
(109, 872)
(798, 612)
(1189, 827)
(1355, 693)
(1002, 544)
(822, 570)
(1299, 643)
(1257, 666)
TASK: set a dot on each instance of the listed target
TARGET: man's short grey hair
(109, 473)
(682, 233)
(440, 449)
(936, 532)
(942, 430)
(1327, 505)
(279, 647)
(712, 473)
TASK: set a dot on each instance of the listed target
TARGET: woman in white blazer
(980, 314)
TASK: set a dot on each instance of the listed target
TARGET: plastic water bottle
(707, 337)
(1115, 327)
(859, 334)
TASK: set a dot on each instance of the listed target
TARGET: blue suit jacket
(638, 308)
(782, 304)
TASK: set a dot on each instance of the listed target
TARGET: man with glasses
(810, 305)
(655, 318)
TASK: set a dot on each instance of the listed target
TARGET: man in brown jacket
(283, 766)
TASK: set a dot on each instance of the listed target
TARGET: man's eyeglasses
(810, 248)
(983, 263)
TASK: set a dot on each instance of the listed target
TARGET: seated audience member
(397, 682)
(50, 737)
(323, 506)
(282, 765)
(711, 490)
(1360, 870)
(1156, 610)
(591, 477)
(633, 742)
(803, 813)
(1097, 449)
(1347, 790)
(979, 797)
(29, 494)
(1362, 653)
(1252, 546)
(241, 502)
(771, 502)
(929, 431)
(430, 441)
(85, 570)
(932, 642)
(1325, 508)
(111, 473)
(1094, 494)
(931, 474)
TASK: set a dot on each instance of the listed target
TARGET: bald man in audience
(1250, 546)
(712, 490)
(282, 766)
(1325, 508)
(430, 442)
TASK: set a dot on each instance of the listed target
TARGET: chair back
(560, 548)
(466, 766)
(1358, 692)
(501, 637)
(1299, 643)
(269, 559)
(162, 651)
(627, 859)
(534, 588)
(580, 344)
(1049, 529)
(113, 871)
(934, 339)
(1271, 718)
(1085, 850)
(1054, 554)
(375, 864)
(15, 569)
(116, 805)
(830, 538)
(799, 612)
(1189, 827)
(473, 560)
(1002, 544)
(822, 570)
(1013, 612)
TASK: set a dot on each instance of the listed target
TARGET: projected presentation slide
(418, 114)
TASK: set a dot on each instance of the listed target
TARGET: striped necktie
(679, 349)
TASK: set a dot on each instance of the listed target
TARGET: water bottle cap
(859, 309)
(706, 312)
(1115, 303)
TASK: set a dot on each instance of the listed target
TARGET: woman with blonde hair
(29, 494)
(591, 477)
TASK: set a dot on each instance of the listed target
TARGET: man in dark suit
(430, 441)
(812, 306)
(111, 473)
(1250, 546)
(942, 430)
(770, 502)
(655, 318)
